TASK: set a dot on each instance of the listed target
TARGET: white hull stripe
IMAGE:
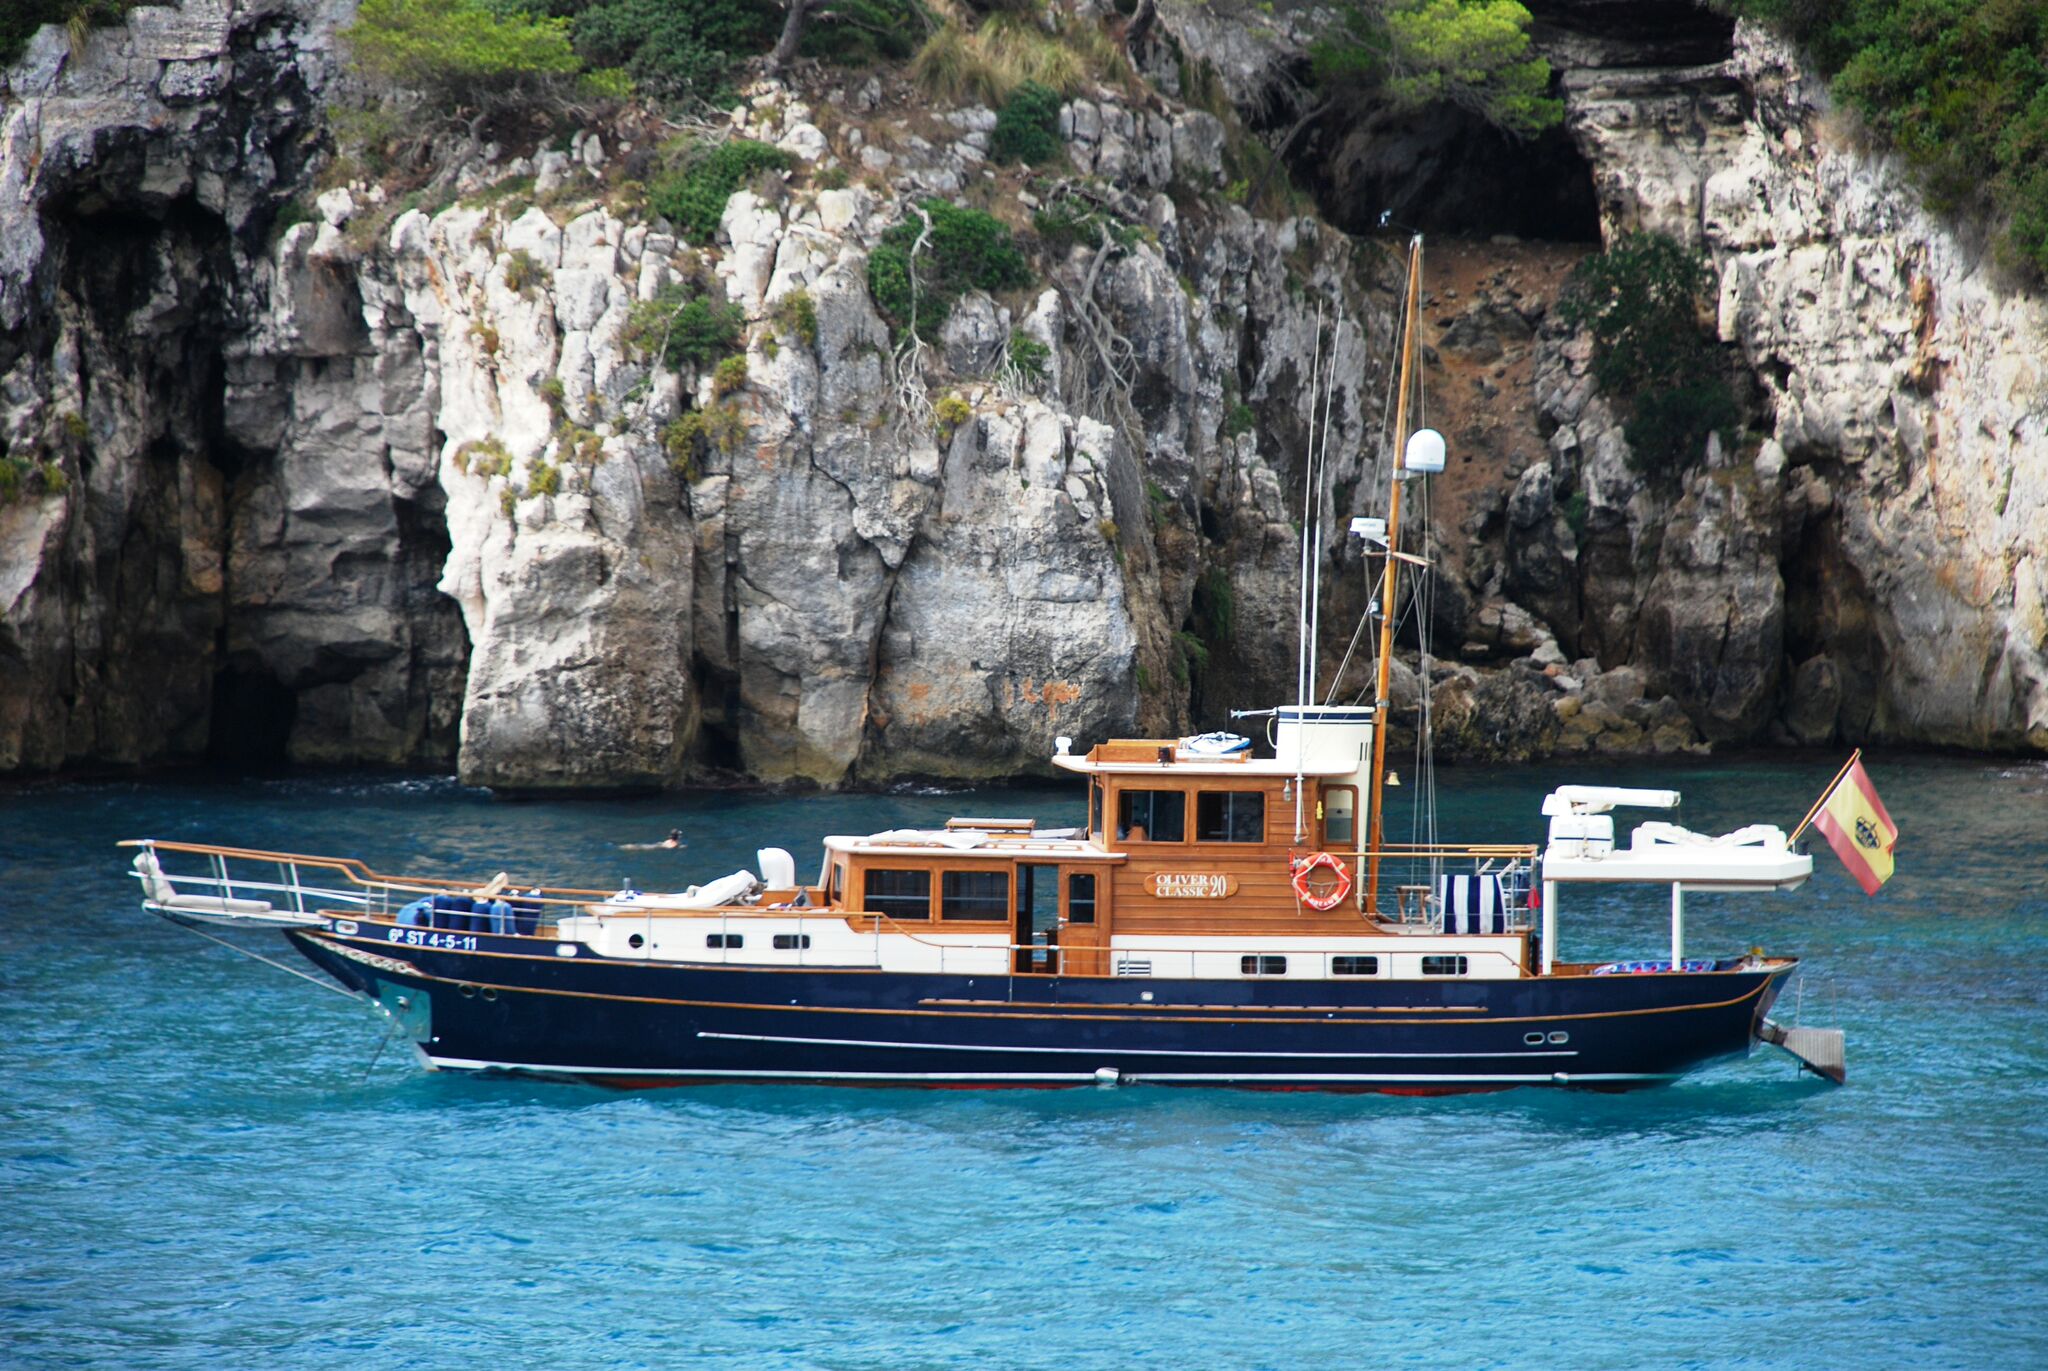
(1130, 1051)
(1078, 1077)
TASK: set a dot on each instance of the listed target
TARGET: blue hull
(490, 1003)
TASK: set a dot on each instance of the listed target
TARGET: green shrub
(460, 52)
(861, 32)
(729, 375)
(949, 413)
(24, 475)
(484, 457)
(718, 426)
(694, 197)
(1414, 53)
(1959, 86)
(1642, 299)
(797, 314)
(544, 479)
(1029, 356)
(674, 48)
(1062, 223)
(1215, 605)
(684, 328)
(1239, 419)
(555, 396)
(968, 249)
(522, 273)
(1575, 510)
(1028, 126)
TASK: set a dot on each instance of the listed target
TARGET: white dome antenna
(1425, 451)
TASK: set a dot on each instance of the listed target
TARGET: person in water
(673, 840)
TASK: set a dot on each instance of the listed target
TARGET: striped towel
(1472, 904)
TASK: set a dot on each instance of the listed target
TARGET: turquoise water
(200, 1165)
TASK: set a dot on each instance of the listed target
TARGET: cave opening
(253, 714)
(1445, 171)
(717, 744)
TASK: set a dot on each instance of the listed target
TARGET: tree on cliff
(1642, 300)
(1410, 54)
(461, 54)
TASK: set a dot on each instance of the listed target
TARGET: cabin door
(1037, 932)
(1084, 918)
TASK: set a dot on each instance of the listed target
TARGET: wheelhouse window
(838, 885)
(1354, 966)
(983, 895)
(1095, 789)
(1081, 898)
(1230, 816)
(1444, 966)
(1340, 816)
(898, 894)
(1151, 816)
(1263, 966)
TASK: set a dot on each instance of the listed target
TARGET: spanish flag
(1857, 826)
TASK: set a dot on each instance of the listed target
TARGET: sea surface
(205, 1162)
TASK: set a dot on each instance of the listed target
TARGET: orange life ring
(1303, 866)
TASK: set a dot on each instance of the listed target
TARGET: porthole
(636, 941)
(468, 991)
(1560, 1037)
(1533, 1039)
(490, 993)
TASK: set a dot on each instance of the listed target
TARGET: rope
(259, 957)
(382, 1043)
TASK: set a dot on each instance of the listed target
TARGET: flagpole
(1817, 804)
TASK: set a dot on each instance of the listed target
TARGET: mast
(1304, 624)
(1381, 694)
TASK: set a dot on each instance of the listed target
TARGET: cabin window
(792, 942)
(838, 885)
(1151, 816)
(1443, 966)
(1340, 815)
(1081, 898)
(1263, 966)
(1230, 816)
(1354, 966)
(899, 894)
(1095, 789)
(981, 895)
(725, 940)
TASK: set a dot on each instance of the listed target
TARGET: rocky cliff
(399, 484)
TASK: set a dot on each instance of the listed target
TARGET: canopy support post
(1549, 926)
(1677, 924)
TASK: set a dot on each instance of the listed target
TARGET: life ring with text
(1305, 867)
